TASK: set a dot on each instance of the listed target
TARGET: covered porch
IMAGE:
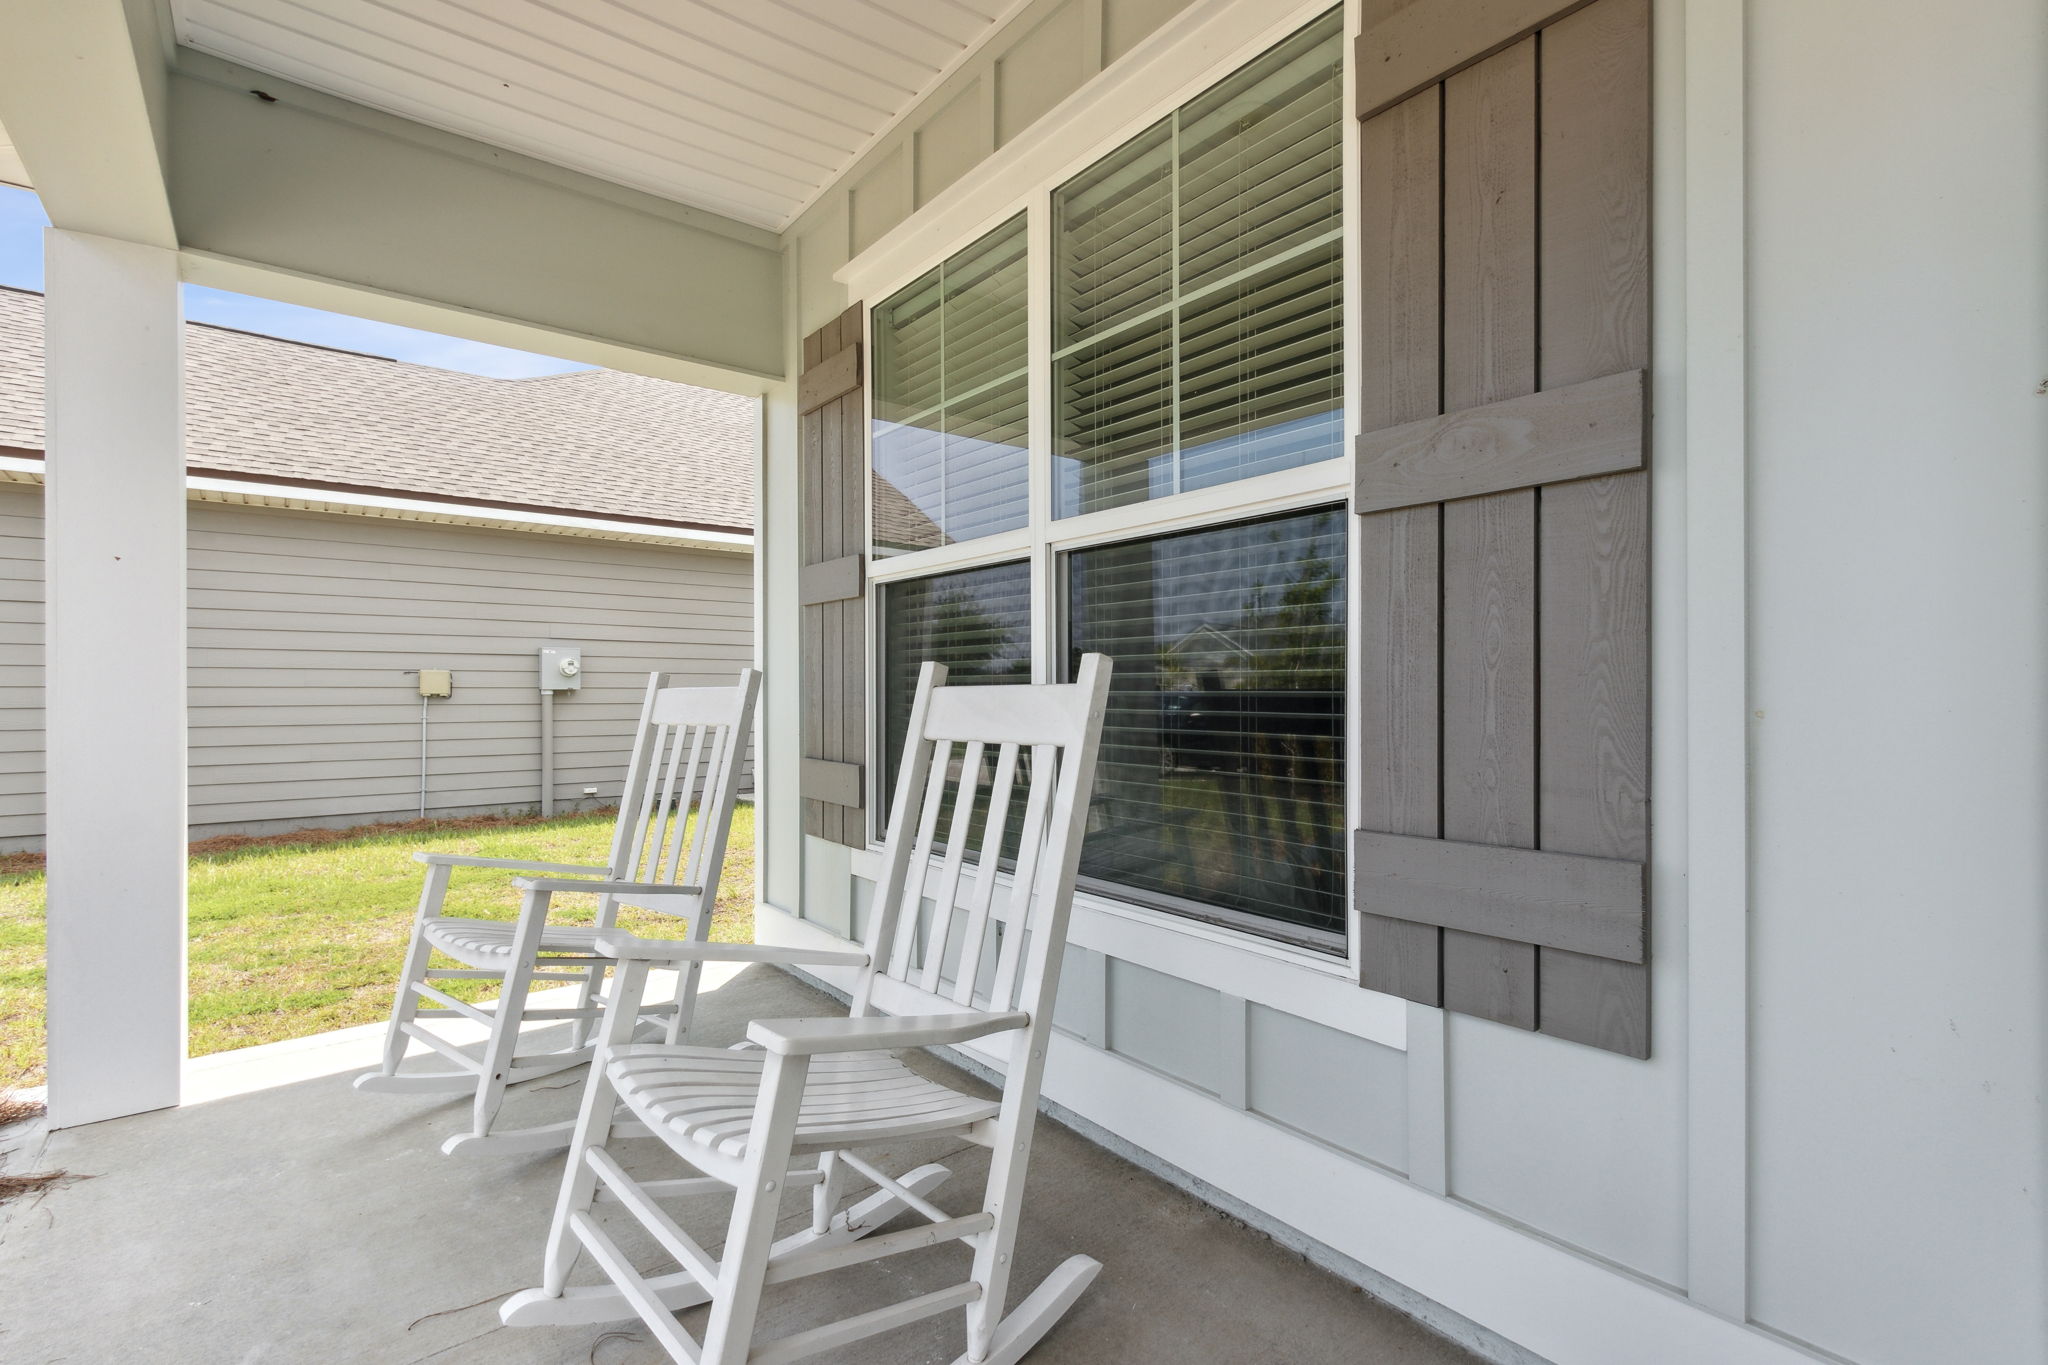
(1711, 731)
(278, 1216)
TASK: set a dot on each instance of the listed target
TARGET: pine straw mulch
(19, 1109)
(18, 864)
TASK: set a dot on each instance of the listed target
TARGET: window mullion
(1174, 303)
(1045, 640)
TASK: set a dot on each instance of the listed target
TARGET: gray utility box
(561, 668)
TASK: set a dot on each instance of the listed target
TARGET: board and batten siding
(302, 627)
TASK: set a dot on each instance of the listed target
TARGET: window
(1198, 289)
(950, 394)
(977, 623)
(1193, 283)
(1221, 785)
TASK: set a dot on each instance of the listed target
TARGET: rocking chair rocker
(827, 1087)
(688, 751)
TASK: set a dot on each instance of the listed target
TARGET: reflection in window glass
(1221, 784)
(977, 623)
(1198, 289)
(950, 395)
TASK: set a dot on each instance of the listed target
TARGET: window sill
(1282, 976)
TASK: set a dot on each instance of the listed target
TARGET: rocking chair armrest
(604, 888)
(805, 1037)
(628, 947)
(509, 864)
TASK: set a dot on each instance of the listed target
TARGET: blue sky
(21, 265)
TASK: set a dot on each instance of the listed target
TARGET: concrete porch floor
(280, 1217)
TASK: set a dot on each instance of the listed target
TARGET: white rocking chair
(822, 1086)
(688, 751)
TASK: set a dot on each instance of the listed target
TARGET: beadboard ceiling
(744, 107)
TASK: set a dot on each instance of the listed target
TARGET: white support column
(114, 675)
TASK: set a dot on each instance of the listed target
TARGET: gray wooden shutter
(1500, 867)
(833, 587)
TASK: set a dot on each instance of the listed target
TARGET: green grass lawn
(294, 938)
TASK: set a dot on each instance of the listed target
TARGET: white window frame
(1165, 73)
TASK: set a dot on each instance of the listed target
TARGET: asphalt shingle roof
(597, 442)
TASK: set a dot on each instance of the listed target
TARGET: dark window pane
(1221, 785)
(977, 623)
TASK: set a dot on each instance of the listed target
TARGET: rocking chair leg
(743, 1264)
(825, 1194)
(593, 1128)
(506, 1018)
(432, 890)
(1038, 1314)
(586, 997)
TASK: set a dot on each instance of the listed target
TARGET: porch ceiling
(747, 108)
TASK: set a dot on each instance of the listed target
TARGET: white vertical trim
(1233, 1020)
(115, 677)
(1717, 683)
(1091, 37)
(1429, 1163)
(1354, 381)
(1084, 985)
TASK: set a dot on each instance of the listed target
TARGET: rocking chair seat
(706, 1096)
(488, 942)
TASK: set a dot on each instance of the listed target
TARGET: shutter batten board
(839, 784)
(1398, 781)
(829, 379)
(1502, 489)
(835, 580)
(832, 581)
(1421, 43)
(1582, 431)
(1592, 906)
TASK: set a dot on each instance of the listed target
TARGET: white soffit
(744, 107)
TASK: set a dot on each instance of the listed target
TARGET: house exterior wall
(1868, 1185)
(302, 624)
(1899, 253)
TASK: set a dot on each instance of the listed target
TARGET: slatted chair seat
(707, 1096)
(488, 942)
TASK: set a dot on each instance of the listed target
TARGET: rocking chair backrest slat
(975, 931)
(681, 783)
(909, 924)
(955, 734)
(1037, 811)
(949, 874)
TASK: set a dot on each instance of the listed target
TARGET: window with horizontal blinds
(976, 622)
(950, 392)
(1220, 789)
(1198, 289)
